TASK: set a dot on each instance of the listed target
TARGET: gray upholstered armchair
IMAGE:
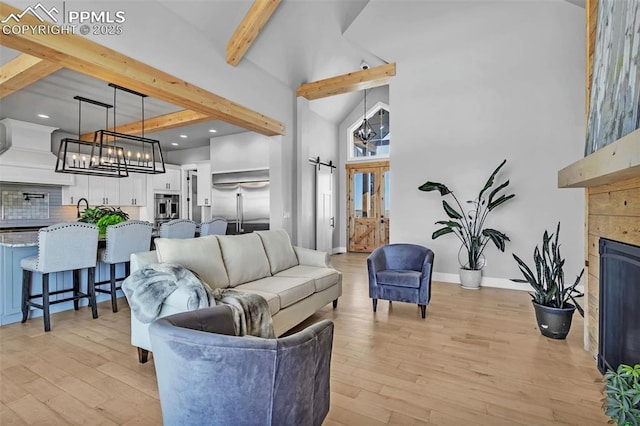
(207, 375)
(401, 272)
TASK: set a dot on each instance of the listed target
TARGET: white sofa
(295, 281)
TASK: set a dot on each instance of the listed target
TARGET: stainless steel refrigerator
(243, 199)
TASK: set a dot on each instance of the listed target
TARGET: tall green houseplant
(469, 225)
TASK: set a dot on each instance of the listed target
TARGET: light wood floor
(477, 359)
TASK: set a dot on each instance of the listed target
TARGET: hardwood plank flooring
(477, 359)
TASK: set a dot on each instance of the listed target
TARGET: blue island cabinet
(11, 284)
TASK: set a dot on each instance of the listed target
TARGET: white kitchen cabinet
(169, 181)
(104, 190)
(80, 189)
(133, 190)
(204, 184)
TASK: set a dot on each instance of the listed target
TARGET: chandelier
(365, 132)
(111, 153)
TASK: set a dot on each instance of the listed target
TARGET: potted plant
(103, 217)
(469, 225)
(551, 297)
(622, 395)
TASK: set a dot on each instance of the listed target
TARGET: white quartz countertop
(19, 239)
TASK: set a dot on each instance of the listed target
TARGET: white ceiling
(53, 96)
(303, 41)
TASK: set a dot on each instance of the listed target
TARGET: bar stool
(123, 239)
(69, 246)
(178, 228)
(213, 226)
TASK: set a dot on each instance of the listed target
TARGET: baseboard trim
(337, 250)
(486, 281)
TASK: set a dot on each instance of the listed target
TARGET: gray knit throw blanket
(147, 288)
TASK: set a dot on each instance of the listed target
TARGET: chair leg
(26, 292)
(375, 305)
(423, 309)
(76, 288)
(112, 273)
(91, 289)
(45, 302)
(143, 355)
(335, 303)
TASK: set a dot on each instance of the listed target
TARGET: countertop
(19, 239)
(30, 239)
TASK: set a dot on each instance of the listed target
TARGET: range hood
(25, 154)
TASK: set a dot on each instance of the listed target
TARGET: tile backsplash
(24, 205)
(32, 205)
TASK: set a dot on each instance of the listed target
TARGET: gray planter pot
(470, 278)
(554, 323)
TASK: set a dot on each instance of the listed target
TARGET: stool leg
(114, 302)
(76, 288)
(26, 292)
(91, 289)
(45, 302)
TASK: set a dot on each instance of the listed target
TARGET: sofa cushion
(399, 278)
(272, 299)
(244, 257)
(323, 277)
(201, 255)
(289, 289)
(279, 250)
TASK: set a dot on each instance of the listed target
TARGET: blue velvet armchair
(402, 273)
(207, 375)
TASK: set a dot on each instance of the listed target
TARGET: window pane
(363, 197)
(379, 144)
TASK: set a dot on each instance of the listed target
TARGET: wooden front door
(368, 205)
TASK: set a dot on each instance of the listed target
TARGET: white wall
(479, 83)
(316, 137)
(187, 156)
(242, 151)
(378, 94)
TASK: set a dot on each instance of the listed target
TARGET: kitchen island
(15, 246)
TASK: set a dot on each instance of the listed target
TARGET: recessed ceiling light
(212, 130)
(175, 143)
(184, 136)
(43, 116)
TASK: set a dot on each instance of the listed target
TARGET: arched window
(378, 146)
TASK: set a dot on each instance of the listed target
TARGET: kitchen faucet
(78, 205)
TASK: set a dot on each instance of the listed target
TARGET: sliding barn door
(368, 205)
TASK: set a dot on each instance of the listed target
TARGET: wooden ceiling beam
(247, 31)
(346, 83)
(157, 124)
(87, 57)
(22, 71)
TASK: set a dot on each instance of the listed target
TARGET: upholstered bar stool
(178, 228)
(213, 226)
(122, 240)
(70, 246)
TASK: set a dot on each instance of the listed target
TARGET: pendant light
(365, 132)
(80, 157)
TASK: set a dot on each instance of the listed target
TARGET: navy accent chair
(207, 375)
(402, 273)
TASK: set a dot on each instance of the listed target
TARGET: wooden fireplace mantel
(613, 163)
